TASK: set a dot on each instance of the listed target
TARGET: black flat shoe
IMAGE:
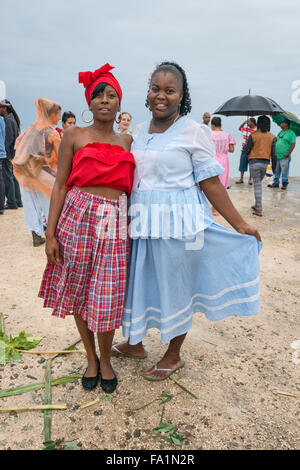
(89, 383)
(108, 385)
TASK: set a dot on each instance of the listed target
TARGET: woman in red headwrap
(86, 237)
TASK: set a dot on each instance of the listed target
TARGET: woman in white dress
(182, 262)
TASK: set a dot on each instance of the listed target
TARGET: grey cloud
(225, 47)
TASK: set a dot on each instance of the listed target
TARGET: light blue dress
(181, 261)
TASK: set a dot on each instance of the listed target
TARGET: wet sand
(234, 367)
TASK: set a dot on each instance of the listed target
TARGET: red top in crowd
(100, 164)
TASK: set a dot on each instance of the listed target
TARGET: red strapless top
(99, 164)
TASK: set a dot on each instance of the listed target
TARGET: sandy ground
(233, 367)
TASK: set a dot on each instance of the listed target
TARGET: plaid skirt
(91, 279)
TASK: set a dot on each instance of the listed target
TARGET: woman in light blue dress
(182, 262)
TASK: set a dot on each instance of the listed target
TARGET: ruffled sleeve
(203, 152)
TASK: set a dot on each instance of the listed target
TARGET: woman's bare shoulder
(74, 131)
(125, 140)
(76, 136)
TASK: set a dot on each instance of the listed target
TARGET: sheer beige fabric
(35, 162)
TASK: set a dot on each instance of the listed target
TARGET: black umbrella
(249, 105)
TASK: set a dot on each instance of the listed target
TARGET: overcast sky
(226, 47)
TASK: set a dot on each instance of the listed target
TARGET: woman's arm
(231, 148)
(242, 125)
(217, 195)
(65, 157)
(290, 150)
(55, 140)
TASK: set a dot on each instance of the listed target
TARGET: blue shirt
(2, 138)
(165, 201)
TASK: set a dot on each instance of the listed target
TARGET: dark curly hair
(216, 121)
(264, 123)
(67, 115)
(11, 109)
(186, 103)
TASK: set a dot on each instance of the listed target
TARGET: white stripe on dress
(210, 297)
(165, 320)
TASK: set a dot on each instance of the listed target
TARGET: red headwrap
(91, 79)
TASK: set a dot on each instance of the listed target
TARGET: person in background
(35, 166)
(2, 156)
(246, 130)
(286, 141)
(12, 130)
(68, 120)
(269, 175)
(224, 143)
(260, 147)
(124, 121)
(206, 118)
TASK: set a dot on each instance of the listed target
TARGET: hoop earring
(82, 117)
(118, 119)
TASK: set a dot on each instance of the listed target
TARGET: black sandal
(108, 385)
(89, 383)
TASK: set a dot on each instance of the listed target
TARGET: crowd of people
(27, 179)
(9, 131)
(265, 154)
(74, 183)
(277, 158)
